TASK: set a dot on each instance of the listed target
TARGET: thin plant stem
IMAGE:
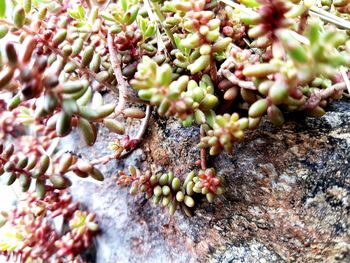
(144, 123)
(162, 19)
(142, 129)
(329, 17)
(345, 77)
(84, 70)
(138, 137)
(236, 81)
(116, 65)
(153, 17)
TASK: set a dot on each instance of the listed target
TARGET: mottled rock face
(287, 197)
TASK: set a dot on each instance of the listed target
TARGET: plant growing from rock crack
(169, 190)
(202, 62)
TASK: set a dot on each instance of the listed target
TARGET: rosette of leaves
(304, 78)
(134, 32)
(83, 21)
(203, 43)
(208, 183)
(168, 190)
(271, 16)
(204, 101)
(325, 54)
(148, 28)
(121, 15)
(227, 130)
(182, 98)
(132, 29)
(232, 26)
(42, 170)
(315, 67)
(83, 228)
(162, 188)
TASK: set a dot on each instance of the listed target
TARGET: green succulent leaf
(2, 8)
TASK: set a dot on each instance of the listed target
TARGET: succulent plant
(170, 191)
(76, 65)
(203, 43)
(227, 130)
(42, 169)
(183, 98)
(30, 235)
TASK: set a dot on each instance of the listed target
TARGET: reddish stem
(122, 84)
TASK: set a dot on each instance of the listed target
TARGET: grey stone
(286, 200)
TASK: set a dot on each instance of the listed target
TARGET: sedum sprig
(183, 98)
(29, 233)
(169, 191)
(198, 61)
(41, 170)
(226, 131)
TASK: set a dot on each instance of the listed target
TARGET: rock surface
(287, 196)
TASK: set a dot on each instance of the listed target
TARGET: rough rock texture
(287, 199)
